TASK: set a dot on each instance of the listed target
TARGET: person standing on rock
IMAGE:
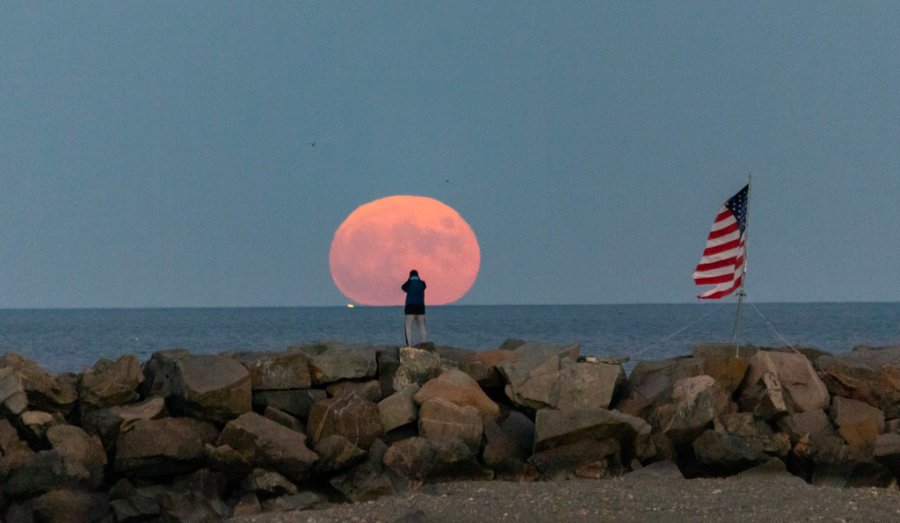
(415, 305)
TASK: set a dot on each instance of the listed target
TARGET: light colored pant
(418, 319)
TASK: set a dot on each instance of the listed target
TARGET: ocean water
(65, 340)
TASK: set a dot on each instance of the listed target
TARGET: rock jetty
(188, 437)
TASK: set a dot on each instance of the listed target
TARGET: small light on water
(349, 305)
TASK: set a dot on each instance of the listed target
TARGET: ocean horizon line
(451, 305)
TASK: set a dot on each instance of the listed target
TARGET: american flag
(723, 263)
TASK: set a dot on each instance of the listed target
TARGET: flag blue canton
(737, 204)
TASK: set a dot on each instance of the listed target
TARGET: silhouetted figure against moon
(415, 306)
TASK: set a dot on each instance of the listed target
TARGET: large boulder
(533, 373)
(746, 426)
(484, 366)
(370, 389)
(857, 422)
(587, 458)
(503, 453)
(74, 461)
(809, 424)
(80, 449)
(887, 452)
(870, 375)
(351, 416)
(554, 428)
(458, 388)
(481, 366)
(442, 420)
(294, 402)
(334, 362)
(726, 454)
(206, 386)
(44, 391)
(778, 383)
(33, 425)
(420, 459)
(267, 484)
(587, 384)
(14, 452)
(388, 361)
(696, 402)
(266, 444)
(281, 371)
(108, 423)
(108, 383)
(12, 394)
(399, 408)
(64, 505)
(366, 481)
(159, 448)
(415, 366)
(651, 383)
(336, 453)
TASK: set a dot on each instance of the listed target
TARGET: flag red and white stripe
(724, 259)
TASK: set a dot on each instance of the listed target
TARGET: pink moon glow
(377, 245)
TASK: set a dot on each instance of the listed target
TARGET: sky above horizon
(160, 154)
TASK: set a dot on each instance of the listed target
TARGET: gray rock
(651, 383)
(266, 444)
(336, 453)
(520, 428)
(79, 448)
(388, 360)
(334, 362)
(366, 481)
(809, 423)
(164, 447)
(693, 410)
(267, 484)
(533, 374)
(458, 388)
(74, 461)
(44, 392)
(399, 409)
(283, 418)
(587, 385)
(416, 366)
(504, 454)
(210, 387)
(353, 417)
(726, 454)
(34, 424)
(69, 505)
(294, 402)
(419, 459)
(370, 390)
(301, 501)
(108, 423)
(867, 375)
(554, 428)
(585, 458)
(282, 371)
(779, 383)
(887, 452)
(12, 395)
(441, 420)
(857, 422)
(109, 383)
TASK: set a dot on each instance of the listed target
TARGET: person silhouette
(414, 287)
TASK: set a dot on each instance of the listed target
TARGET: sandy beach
(647, 495)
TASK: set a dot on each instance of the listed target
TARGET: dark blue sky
(159, 153)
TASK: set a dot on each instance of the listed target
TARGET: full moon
(374, 249)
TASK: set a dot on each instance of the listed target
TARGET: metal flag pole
(741, 293)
